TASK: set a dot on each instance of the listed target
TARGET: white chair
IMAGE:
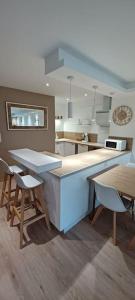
(131, 165)
(32, 185)
(109, 198)
(7, 182)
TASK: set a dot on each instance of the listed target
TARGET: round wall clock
(122, 115)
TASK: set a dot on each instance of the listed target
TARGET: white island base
(68, 197)
(67, 191)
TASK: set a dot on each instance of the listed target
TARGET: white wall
(60, 110)
(125, 130)
(82, 110)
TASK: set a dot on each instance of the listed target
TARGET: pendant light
(70, 108)
(110, 111)
(94, 104)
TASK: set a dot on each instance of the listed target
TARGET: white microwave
(118, 145)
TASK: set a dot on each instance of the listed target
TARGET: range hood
(103, 116)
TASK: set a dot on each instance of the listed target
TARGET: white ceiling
(102, 30)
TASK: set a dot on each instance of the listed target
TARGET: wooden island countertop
(75, 163)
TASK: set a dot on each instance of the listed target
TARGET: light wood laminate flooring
(82, 264)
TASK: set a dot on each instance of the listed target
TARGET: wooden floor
(82, 264)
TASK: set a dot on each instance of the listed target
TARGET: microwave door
(110, 144)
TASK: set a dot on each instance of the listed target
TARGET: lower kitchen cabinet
(69, 149)
(64, 148)
(82, 148)
(59, 148)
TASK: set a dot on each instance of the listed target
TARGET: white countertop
(35, 161)
(92, 144)
(62, 166)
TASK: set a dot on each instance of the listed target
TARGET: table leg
(133, 209)
(94, 204)
(76, 148)
(92, 198)
(131, 244)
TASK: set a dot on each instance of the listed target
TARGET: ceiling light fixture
(70, 108)
(110, 112)
(47, 84)
(85, 94)
(94, 104)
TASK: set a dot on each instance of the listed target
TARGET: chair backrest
(131, 165)
(19, 181)
(5, 167)
(109, 197)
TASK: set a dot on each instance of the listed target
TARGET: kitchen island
(66, 188)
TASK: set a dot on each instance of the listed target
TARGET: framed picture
(26, 117)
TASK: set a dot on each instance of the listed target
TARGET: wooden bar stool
(7, 189)
(34, 186)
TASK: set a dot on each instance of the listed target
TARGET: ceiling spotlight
(47, 84)
(67, 99)
(85, 94)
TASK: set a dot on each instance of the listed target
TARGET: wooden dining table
(123, 179)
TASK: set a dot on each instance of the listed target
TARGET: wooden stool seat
(34, 186)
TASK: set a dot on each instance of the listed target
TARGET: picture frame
(22, 116)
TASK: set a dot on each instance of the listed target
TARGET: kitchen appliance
(85, 137)
(118, 145)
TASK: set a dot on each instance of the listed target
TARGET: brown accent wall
(35, 139)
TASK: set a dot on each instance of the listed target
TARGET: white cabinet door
(82, 148)
(64, 148)
(69, 149)
(59, 148)
(56, 148)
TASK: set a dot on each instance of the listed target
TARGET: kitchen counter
(96, 145)
(66, 189)
(75, 163)
(35, 161)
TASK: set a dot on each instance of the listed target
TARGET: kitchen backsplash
(92, 137)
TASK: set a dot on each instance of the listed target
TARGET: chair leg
(9, 197)
(33, 195)
(14, 205)
(97, 214)
(22, 218)
(3, 189)
(44, 206)
(114, 228)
